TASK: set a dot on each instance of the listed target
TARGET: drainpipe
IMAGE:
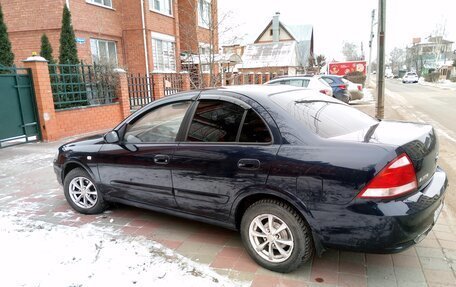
(145, 47)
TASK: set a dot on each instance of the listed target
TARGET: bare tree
(314, 64)
(414, 59)
(350, 51)
(396, 59)
(202, 58)
(321, 61)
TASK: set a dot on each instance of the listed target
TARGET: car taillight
(360, 88)
(396, 179)
(343, 87)
(326, 92)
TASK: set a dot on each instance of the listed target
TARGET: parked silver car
(315, 83)
(355, 90)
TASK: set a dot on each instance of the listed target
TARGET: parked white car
(355, 90)
(315, 83)
(410, 77)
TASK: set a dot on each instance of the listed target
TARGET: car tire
(259, 241)
(82, 194)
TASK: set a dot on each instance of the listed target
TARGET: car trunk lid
(418, 141)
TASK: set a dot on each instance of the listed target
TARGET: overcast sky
(336, 21)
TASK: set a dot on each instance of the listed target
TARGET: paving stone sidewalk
(28, 185)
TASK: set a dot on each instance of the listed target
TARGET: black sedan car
(295, 171)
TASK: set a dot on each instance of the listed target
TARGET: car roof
(262, 93)
(294, 77)
(331, 76)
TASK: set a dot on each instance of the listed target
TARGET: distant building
(279, 49)
(430, 54)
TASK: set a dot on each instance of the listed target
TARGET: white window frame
(201, 21)
(97, 41)
(170, 3)
(94, 2)
(172, 61)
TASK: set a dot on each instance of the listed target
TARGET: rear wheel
(275, 236)
(82, 193)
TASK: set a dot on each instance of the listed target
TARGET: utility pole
(371, 38)
(381, 60)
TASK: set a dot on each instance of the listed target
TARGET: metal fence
(172, 83)
(140, 90)
(82, 85)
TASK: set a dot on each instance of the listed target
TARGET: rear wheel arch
(244, 201)
(259, 232)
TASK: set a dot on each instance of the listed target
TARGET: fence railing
(82, 85)
(140, 90)
(172, 83)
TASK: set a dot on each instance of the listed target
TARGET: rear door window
(215, 121)
(305, 83)
(254, 130)
(296, 83)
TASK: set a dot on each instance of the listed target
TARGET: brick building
(139, 35)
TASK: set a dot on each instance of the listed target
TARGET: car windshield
(324, 118)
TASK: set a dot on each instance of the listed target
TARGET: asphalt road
(436, 106)
(429, 103)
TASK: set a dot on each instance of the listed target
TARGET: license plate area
(437, 212)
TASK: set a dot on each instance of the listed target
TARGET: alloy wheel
(271, 238)
(83, 192)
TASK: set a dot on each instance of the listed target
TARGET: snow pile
(41, 254)
(368, 97)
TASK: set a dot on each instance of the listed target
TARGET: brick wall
(89, 119)
(191, 34)
(188, 24)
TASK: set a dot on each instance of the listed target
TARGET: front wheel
(275, 236)
(82, 193)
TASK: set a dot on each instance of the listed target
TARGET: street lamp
(371, 38)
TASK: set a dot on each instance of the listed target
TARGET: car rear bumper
(384, 226)
(342, 95)
(356, 95)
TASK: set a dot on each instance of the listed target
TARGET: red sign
(342, 68)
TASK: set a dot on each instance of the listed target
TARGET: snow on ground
(34, 253)
(443, 84)
(37, 253)
(368, 98)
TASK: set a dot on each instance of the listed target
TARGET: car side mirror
(111, 137)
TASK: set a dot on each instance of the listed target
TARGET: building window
(204, 13)
(106, 3)
(205, 57)
(164, 54)
(162, 6)
(103, 52)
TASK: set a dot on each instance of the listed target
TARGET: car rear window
(324, 118)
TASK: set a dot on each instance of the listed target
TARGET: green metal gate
(18, 113)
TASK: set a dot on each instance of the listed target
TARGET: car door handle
(248, 164)
(161, 159)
